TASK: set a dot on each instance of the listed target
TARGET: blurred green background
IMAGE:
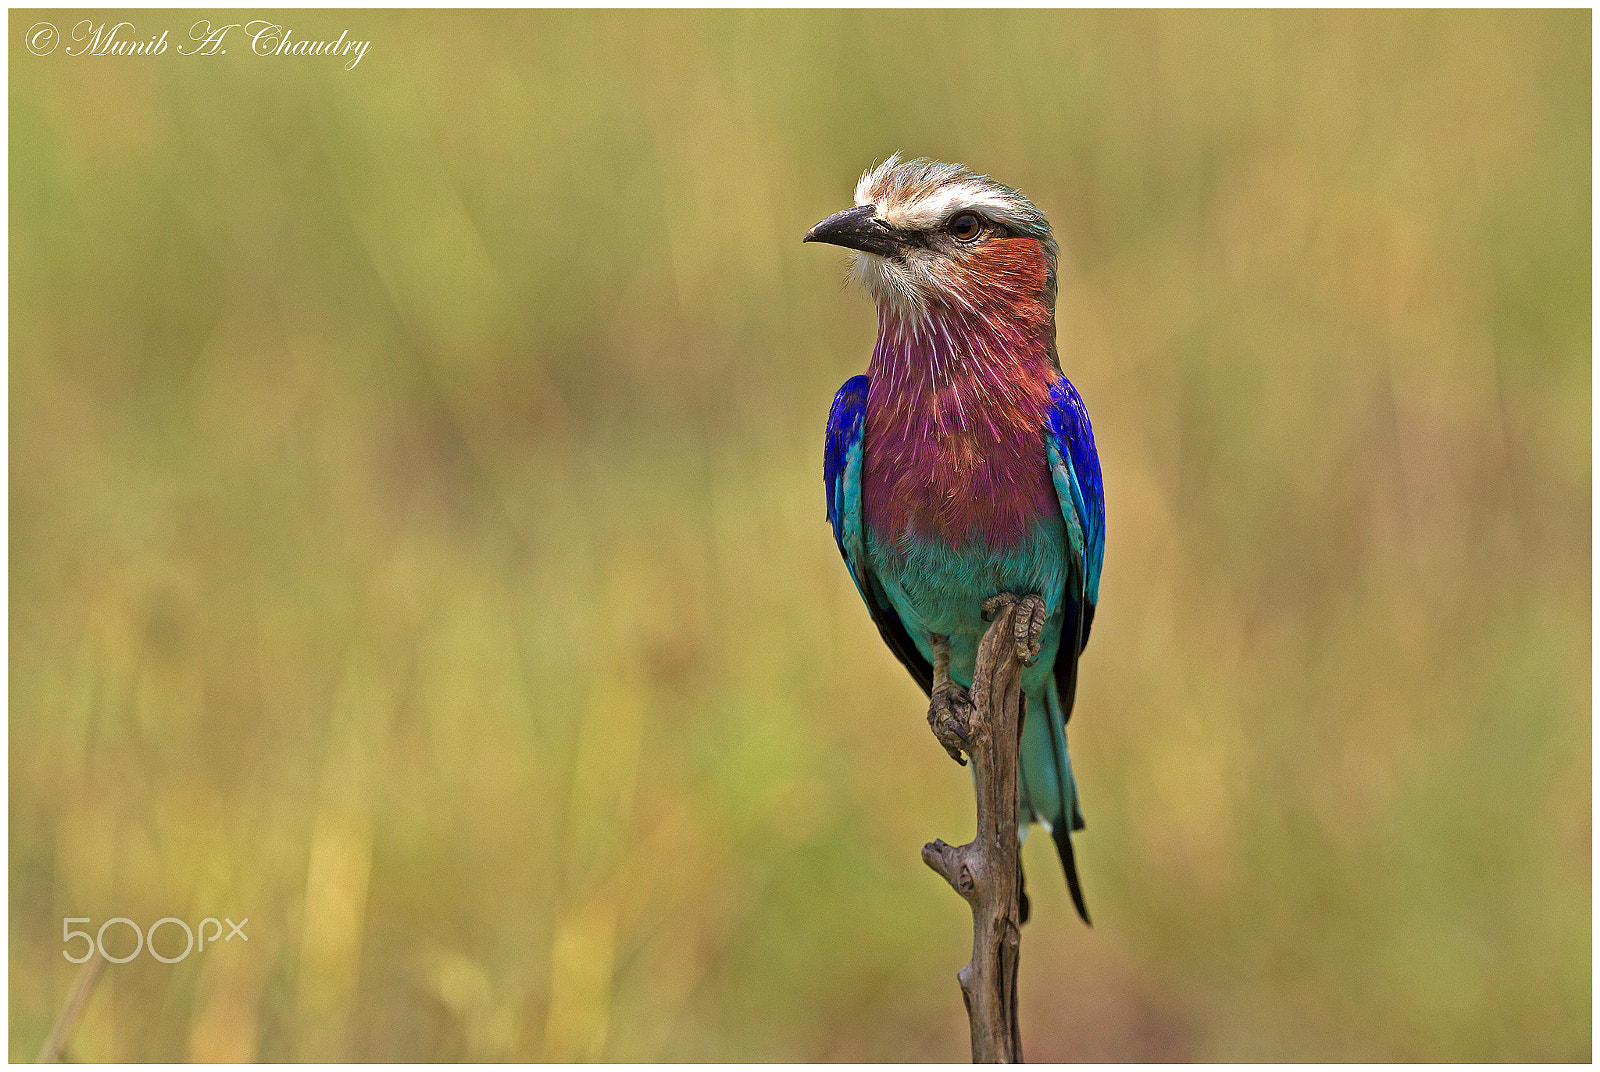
(417, 540)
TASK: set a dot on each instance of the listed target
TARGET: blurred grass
(416, 537)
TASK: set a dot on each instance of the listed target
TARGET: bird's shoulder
(1075, 471)
(1067, 425)
(846, 420)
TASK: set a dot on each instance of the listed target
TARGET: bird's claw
(1029, 622)
(950, 712)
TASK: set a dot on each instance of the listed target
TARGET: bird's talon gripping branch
(1030, 624)
(949, 707)
(1030, 618)
(950, 716)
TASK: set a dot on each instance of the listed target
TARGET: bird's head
(933, 236)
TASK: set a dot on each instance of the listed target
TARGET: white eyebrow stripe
(934, 209)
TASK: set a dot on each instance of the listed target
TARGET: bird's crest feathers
(915, 195)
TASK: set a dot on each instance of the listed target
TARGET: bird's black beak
(858, 228)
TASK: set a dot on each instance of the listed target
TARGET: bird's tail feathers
(1069, 864)
(1050, 791)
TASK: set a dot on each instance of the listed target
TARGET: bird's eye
(966, 227)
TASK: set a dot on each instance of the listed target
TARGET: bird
(962, 464)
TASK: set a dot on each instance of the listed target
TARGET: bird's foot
(1029, 621)
(950, 712)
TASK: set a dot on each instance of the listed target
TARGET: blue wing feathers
(1075, 467)
(846, 421)
(841, 474)
(1075, 472)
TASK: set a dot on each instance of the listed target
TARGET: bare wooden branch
(72, 1010)
(987, 872)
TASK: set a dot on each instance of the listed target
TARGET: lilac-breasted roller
(962, 464)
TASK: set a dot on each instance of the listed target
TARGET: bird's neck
(955, 412)
(958, 368)
(979, 347)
